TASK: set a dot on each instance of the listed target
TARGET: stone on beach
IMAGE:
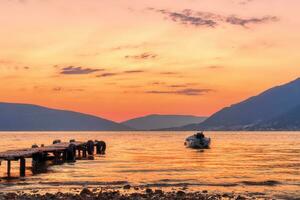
(127, 187)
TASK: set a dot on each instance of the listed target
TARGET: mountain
(26, 117)
(288, 121)
(153, 122)
(260, 109)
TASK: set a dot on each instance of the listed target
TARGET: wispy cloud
(186, 17)
(169, 73)
(128, 46)
(187, 91)
(143, 56)
(61, 89)
(71, 70)
(178, 86)
(234, 20)
(107, 74)
(208, 19)
(133, 71)
(157, 83)
(214, 67)
(244, 2)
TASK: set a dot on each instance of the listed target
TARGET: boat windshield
(199, 135)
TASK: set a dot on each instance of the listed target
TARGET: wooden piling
(90, 147)
(22, 167)
(56, 156)
(64, 157)
(100, 147)
(84, 152)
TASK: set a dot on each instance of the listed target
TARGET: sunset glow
(126, 58)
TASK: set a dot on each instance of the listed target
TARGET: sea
(263, 164)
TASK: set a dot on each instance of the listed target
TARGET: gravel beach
(88, 194)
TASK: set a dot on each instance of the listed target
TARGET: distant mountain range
(275, 109)
(153, 122)
(26, 117)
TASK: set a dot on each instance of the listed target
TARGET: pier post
(71, 153)
(90, 147)
(8, 167)
(79, 153)
(22, 167)
(100, 147)
(64, 157)
(84, 152)
(56, 157)
(38, 162)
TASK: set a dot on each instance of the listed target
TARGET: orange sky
(126, 58)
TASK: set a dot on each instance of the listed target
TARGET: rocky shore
(87, 194)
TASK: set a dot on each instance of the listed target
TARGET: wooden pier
(58, 152)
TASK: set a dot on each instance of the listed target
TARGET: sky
(126, 58)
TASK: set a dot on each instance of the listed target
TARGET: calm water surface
(268, 163)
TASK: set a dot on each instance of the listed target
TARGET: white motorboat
(197, 141)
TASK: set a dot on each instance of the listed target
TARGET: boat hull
(197, 144)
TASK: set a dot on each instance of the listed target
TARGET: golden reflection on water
(240, 161)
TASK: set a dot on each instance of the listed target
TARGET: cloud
(107, 74)
(169, 73)
(157, 83)
(78, 70)
(207, 19)
(61, 89)
(129, 46)
(178, 86)
(143, 56)
(244, 2)
(187, 92)
(133, 71)
(214, 67)
(234, 20)
(187, 17)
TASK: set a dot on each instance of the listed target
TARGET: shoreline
(129, 192)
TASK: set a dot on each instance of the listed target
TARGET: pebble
(240, 198)
(158, 192)
(127, 187)
(180, 193)
(148, 191)
(85, 191)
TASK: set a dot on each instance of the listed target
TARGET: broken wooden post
(90, 147)
(64, 157)
(22, 166)
(71, 153)
(100, 147)
(84, 151)
(56, 156)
